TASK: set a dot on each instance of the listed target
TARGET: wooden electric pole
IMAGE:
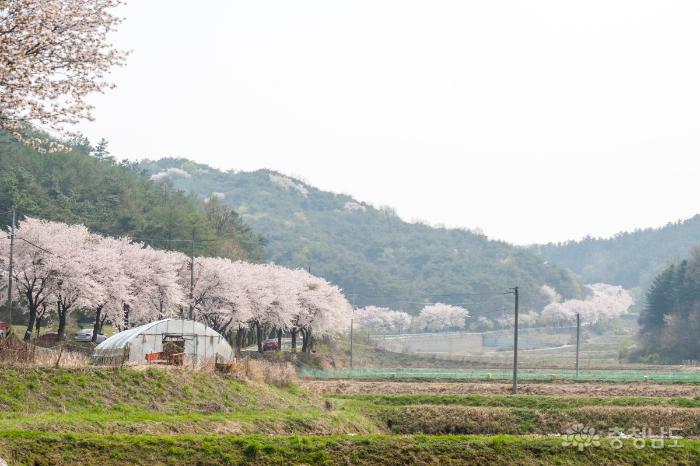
(578, 340)
(515, 344)
(352, 321)
(10, 268)
(192, 277)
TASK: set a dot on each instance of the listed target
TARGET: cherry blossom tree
(35, 266)
(76, 278)
(440, 317)
(112, 276)
(166, 296)
(220, 295)
(53, 53)
(484, 323)
(55, 266)
(381, 318)
(232, 316)
(550, 293)
(209, 287)
(324, 310)
(272, 293)
(155, 291)
(603, 302)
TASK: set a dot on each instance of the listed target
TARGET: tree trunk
(259, 337)
(306, 345)
(96, 327)
(102, 322)
(62, 322)
(30, 325)
(279, 340)
(38, 326)
(240, 335)
(126, 316)
(294, 340)
(309, 340)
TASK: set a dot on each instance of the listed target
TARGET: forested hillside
(376, 257)
(670, 321)
(87, 186)
(629, 259)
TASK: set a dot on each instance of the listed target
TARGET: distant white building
(198, 342)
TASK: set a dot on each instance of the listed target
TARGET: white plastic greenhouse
(198, 342)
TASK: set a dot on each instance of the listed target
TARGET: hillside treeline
(371, 253)
(630, 259)
(86, 185)
(670, 321)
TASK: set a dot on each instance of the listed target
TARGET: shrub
(278, 374)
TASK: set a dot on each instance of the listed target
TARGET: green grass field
(53, 449)
(602, 375)
(124, 416)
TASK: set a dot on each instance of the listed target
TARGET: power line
(476, 294)
(36, 246)
(428, 303)
(205, 240)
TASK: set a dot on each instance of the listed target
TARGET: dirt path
(561, 388)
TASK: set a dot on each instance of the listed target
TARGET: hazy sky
(532, 120)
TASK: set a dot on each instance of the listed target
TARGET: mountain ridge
(630, 259)
(377, 257)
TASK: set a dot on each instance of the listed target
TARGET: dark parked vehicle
(49, 336)
(270, 345)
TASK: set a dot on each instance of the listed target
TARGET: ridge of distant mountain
(375, 256)
(631, 259)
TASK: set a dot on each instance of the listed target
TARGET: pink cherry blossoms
(604, 302)
(53, 53)
(65, 267)
(382, 319)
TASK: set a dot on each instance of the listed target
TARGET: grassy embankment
(122, 416)
(101, 400)
(56, 450)
(521, 415)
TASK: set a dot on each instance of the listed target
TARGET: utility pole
(515, 344)
(192, 277)
(9, 284)
(578, 340)
(352, 321)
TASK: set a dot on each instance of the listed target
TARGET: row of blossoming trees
(59, 268)
(602, 303)
(436, 317)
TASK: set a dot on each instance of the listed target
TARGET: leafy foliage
(670, 321)
(87, 186)
(371, 253)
